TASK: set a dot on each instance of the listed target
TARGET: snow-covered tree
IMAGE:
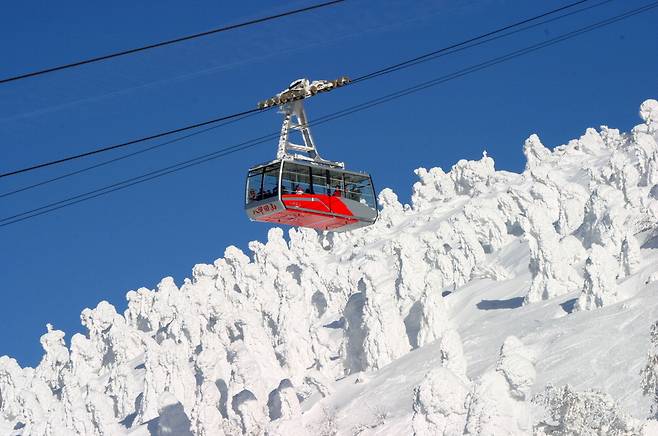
(473, 177)
(535, 152)
(629, 258)
(551, 273)
(500, 399)
(588, 413)
(440, 404)
(650, 371)
(441, 400)
(434, 186)
(452, 354)
(600, 286)
(55, 358)
(429, 313)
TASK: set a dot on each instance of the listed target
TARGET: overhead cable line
(357, 108)
(387, 70)
(479, 40)
(167, 42)
(125, 156)
(131, 142)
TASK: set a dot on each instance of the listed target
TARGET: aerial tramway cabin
(306, 190)
(306, 195)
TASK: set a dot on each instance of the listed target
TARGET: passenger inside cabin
(299, 190)
(337, 192)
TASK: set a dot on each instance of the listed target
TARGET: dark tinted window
(263, 183)
(295, 179)
(271, 182)
(336, 183)
(359, 188)
(254, 180)
(319, 181)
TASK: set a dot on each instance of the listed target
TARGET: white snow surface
(495, 303)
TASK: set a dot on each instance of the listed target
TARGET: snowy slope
(493, 304)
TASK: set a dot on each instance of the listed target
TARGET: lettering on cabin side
(265, 208)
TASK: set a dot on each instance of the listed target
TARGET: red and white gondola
(305, 190)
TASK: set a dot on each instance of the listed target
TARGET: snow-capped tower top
(291, 105)
(303, 88)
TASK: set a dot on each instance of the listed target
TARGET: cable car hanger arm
(291, 105)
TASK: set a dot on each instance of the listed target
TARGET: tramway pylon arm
(291, 105)
(301, 89)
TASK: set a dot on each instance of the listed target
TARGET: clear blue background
(55, 265)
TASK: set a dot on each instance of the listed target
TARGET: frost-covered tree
(500, 399)
(12, 381)
(604, 222)
(382, 327)
(208, 414)
(473, 177)
(488, 224)
(392, 212)
(645, 144)
(55, 358)
(452, 354)
(411, 282)
(206, 418)
(535, 152)
(588, 413)
(283, 402)
(649, 113)
(629, 258)
(551, 273)
(650, 371)
(441, 400)
(621, 173)
(428, 316)
(466, 252)
(433, 186)
(600, 286)
(440, 404)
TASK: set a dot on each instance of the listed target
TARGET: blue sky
(55, 265)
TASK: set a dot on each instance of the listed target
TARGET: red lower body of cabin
(308, 219)
(319, 212)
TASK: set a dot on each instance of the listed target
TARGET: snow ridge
(259, 343)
